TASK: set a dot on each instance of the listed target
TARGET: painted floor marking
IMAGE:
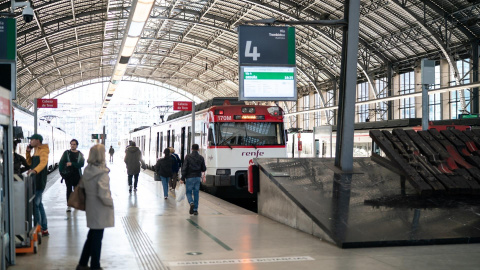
(242, 261)
(210, 235)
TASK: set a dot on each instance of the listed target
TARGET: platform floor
(153, 233)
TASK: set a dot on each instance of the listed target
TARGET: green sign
(8, 39)
(269, 76)
(469, 116)
(98, 136)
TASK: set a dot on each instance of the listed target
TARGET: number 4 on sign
(252, 54)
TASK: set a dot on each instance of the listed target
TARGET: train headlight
(223, 171)
(248, 110)
(274, 111)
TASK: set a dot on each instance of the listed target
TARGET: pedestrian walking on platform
(133, 160)
(163, 168)
(192, 170)
(38, 162)
(177, 164)
(111, 151)
(98, 206)
(70, 168)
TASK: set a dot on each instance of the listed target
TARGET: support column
(474, 98)
(348, 81)
(389, 93)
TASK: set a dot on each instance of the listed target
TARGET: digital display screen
(268, 83)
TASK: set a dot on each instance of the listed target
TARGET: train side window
(168, 138)
(210, 136)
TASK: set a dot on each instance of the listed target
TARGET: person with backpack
(70, 168)
(192, 170)
(163, 168)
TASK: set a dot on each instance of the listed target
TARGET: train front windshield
(245, 134)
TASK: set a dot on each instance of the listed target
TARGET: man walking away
(38, 162)
(192, 170)
(177, 164)
(111, 151)
(133, 159)
(164, 169)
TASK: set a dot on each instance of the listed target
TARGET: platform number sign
(266, 45)
(254, 54)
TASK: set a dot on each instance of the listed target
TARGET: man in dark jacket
(177, 164)
(111, 151)
(38, 162)
(133, 159)
(193, 167)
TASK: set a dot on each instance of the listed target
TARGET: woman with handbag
(98, 206)
(163, 167)
(70, 167)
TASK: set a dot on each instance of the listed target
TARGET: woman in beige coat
(98, 206)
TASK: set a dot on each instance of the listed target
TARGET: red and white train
(229, 134)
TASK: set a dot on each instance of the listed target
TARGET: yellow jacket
(41, 151)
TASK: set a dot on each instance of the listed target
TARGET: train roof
(207, 104)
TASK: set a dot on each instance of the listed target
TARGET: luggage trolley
(27, 235)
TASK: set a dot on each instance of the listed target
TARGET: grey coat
(133, 158)
(99, 202)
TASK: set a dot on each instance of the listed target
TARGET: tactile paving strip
(142, 245)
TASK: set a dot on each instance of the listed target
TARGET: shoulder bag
(77, 198)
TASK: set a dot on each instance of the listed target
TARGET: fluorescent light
(128, 51)
(135, 28)
(142, 10)
(131, 42)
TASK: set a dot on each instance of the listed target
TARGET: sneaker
(166, 198)
(45, 233)
(81, 267)
(69, 209)
(130, 189)
(195, 213)
(191, 208)
(135, 189)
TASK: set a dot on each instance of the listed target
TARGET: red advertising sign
(46, 103)
(4, 106)
(182, 105)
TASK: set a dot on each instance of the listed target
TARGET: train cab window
(246, 134)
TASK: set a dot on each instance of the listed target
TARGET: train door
(157, 146)
(173, 138)
(182, 143)
(168, 138)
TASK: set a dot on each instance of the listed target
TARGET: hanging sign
(182, 105)
(47, 103)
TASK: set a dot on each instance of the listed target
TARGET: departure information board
(268, 83)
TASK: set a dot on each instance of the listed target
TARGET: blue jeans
(39, 216)
(165, 185)
(193, 186)
(92, 249)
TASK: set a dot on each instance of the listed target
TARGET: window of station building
(407, 86)
(290, 107)
(382, 107)
(463, 67)
(330, 101)
(362, 95)
(435, 100)
(306, 116)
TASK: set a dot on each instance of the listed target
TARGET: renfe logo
(253, 154)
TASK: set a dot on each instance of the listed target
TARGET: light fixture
(140, 12)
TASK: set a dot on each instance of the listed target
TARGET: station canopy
(192, 44)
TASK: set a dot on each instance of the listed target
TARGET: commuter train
(58, 140)
(322, 144)
(229, 134)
